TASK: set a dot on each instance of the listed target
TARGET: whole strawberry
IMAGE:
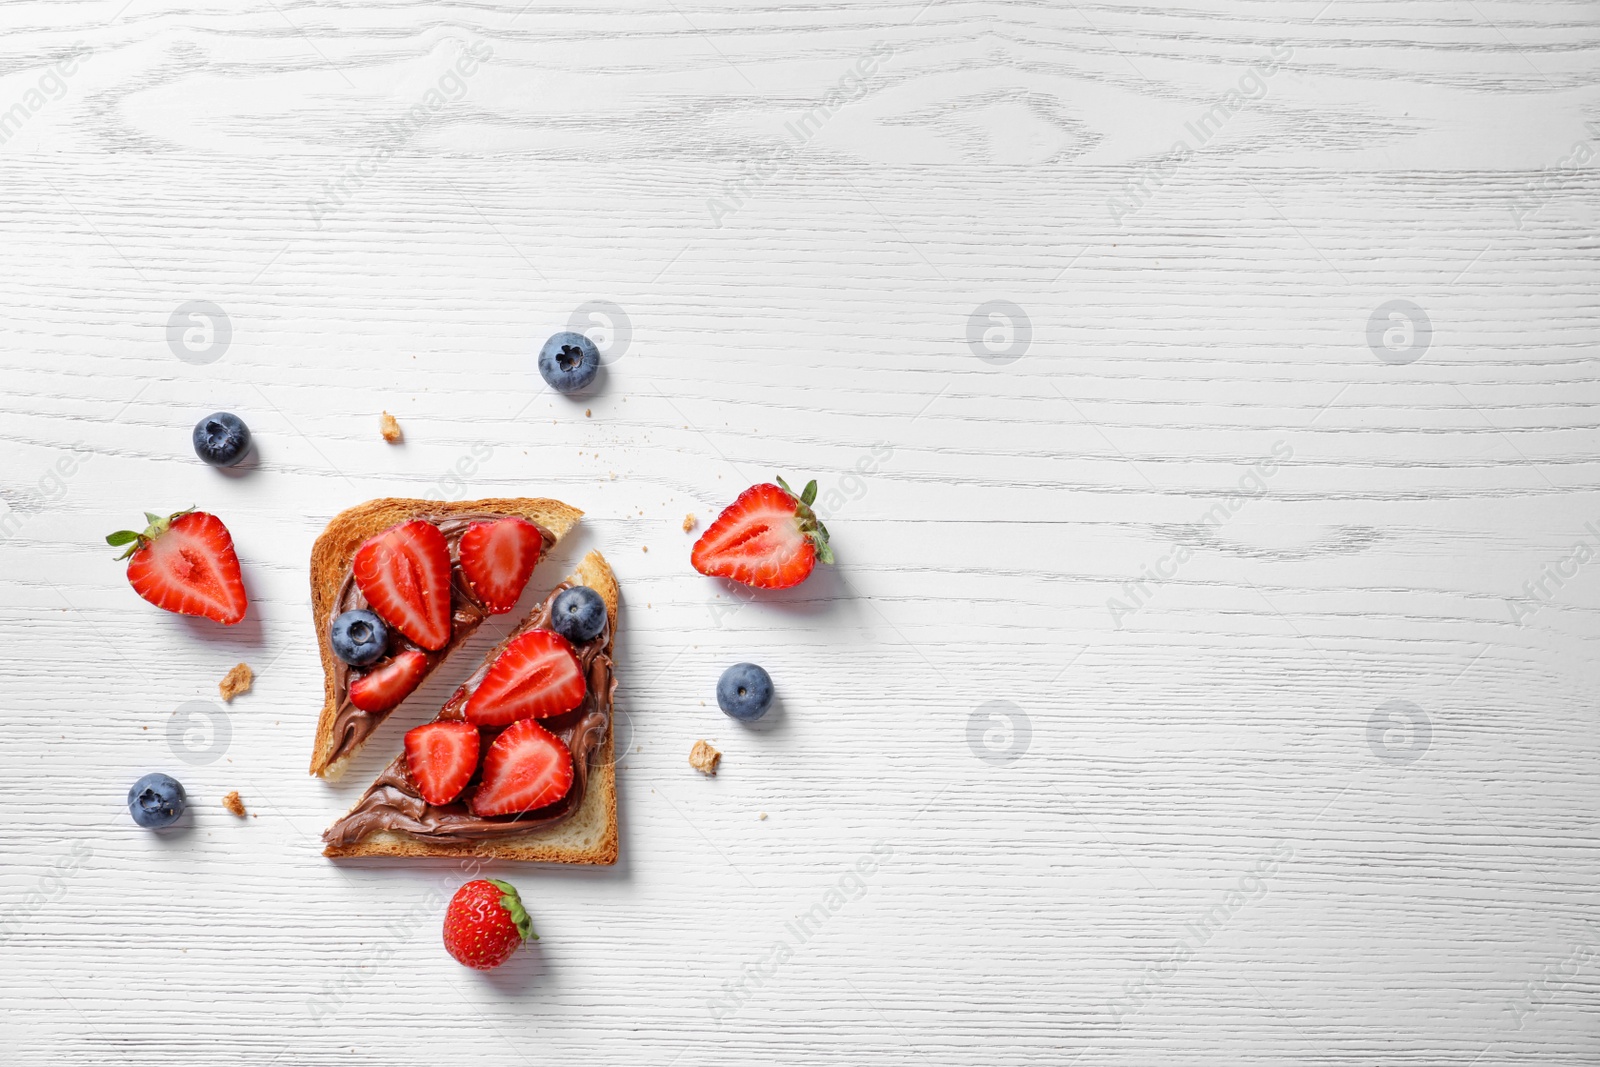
(185, 563)
(769, 538)
(485, 923)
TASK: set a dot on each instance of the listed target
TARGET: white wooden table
(1203, 395)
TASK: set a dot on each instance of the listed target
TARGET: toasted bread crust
(336, 546)
(589, 837)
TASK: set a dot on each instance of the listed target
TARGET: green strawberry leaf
(512, 902)
(810, 495)
(157, 527)
(785, 485)
(824, 553)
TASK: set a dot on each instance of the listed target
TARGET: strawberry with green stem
(185, 563)
(768, 538)
(485, 923)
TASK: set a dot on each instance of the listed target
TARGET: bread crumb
(645, 547)
(613, 475)
(587, 413)
(239, 680)
(763, 816)
(688, 522)
(234, 805)
(704, 758)
(389, 428)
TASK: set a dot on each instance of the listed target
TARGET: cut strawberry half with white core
(526, 768)
(537, 676)
(768, 538)
(404, 573)
(387, 684)
(497, 559)
(440, 759)
(185, 563)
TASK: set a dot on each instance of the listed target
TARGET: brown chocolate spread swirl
(351, 725)
(393, 803)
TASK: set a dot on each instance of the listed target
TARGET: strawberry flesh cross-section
(526, 768)
(185, 563)
(537, 676)
(404, 573)
(768, 538)
(497, 558)
(383, 688)
(441, 758)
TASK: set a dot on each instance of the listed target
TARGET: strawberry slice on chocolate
(440, 759)
(526, 768)
(537, 676)
(497, 558)
(387, 684)
(404, 573)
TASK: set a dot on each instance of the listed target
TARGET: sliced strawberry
(186, 563)
(404, 573)
(537, 676)
(497, 559)
(440, 759)
(527, 767)
(768, 538)
(386, 685)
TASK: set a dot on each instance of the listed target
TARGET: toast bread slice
(336, 546)
(588, 836)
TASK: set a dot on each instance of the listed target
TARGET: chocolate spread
(351, 725)
(393, 803)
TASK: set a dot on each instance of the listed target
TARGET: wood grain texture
(1320, 790)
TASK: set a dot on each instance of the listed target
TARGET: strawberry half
(537, 676)
(768, 538)
(404, 573)
(386, 686)
(185, 563)
(498, 558)
(527, 767)
(440, 759)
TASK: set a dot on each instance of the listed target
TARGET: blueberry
(156, 800)
(358, 637)
(744, 692)
(579, 614)
(221, 439)
(569, 361)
